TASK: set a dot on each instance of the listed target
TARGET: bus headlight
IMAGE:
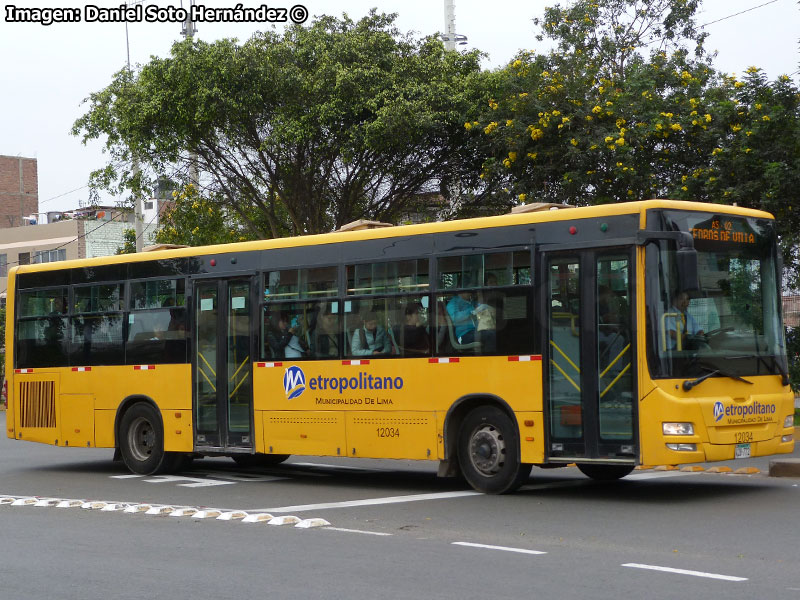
(683, 447)
(677, 428)
(788, 421)
(787, 438)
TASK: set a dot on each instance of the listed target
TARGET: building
(791, 311)
(19, 190)
(82, 233)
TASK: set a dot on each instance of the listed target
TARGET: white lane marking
(503, 548)
(238, 477)
(371, 501)
(192, 482)
(357, 531)
(125, 476)
(685, 572)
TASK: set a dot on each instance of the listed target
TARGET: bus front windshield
(729, 326)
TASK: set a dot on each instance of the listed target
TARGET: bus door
(589, 354)
(222, 364)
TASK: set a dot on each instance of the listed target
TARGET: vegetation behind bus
(611, 114)
(347, 120)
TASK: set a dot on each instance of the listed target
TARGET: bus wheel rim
(487, 450)
(141, 439)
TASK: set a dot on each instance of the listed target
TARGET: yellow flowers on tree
(193, 220)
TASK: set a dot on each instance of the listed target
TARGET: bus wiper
(778, 364)
(689, 384)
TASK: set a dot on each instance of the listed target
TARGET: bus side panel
(104, 428)
(379, 434)
(76, 420)
(392, 408)
(531, 436)
(312, 433)
(35, 397)
(169, 386)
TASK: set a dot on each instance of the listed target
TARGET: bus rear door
(222, 365)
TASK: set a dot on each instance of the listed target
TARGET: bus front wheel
(141, 442)
(488, 452)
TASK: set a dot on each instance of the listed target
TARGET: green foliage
(623, 111)
(793, 354)
(297, 132)
(128, 242)
(193, 220)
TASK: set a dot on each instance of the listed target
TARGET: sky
(46, 72)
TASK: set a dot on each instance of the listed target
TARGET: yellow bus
(609, 336)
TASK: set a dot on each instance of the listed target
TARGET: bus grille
(37, 404)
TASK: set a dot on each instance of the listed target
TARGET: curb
(784, 467)
(160, 510)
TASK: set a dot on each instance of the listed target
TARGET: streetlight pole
(138, 219)
(188, 31)
(450, 37)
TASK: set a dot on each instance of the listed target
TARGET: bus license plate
(742, 451)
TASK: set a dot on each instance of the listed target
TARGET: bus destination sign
(723, 230)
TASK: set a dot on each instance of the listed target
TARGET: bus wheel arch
(482, 439)
(139, 431)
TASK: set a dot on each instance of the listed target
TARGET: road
(396, 531)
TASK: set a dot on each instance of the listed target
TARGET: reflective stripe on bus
(81, 369)
(18, 371)
(144, 367)
(269, 364)
(444, 361)
(355, 363)
(526, 358)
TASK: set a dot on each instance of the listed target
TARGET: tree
(297, 132)
(630, 107)
(128, 242)
(193, 220)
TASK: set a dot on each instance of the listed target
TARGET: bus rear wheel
(141, 442)
(488, 452)
(605, 472)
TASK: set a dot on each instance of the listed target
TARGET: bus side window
(43, 329)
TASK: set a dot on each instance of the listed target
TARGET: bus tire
(141, 441)
(604, 472)
(488, 452)
(259, 460)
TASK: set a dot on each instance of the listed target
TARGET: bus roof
(586, 212)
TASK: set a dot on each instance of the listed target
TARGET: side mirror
(686, 262)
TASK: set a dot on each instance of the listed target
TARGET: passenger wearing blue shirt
(461, 309)
(680, 322)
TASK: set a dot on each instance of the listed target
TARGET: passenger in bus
(461, 309)
(326, 340)
(283, 340)
(489, 314)
(370, 338)
(413, 336)
(55, 324)
(680, 322)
